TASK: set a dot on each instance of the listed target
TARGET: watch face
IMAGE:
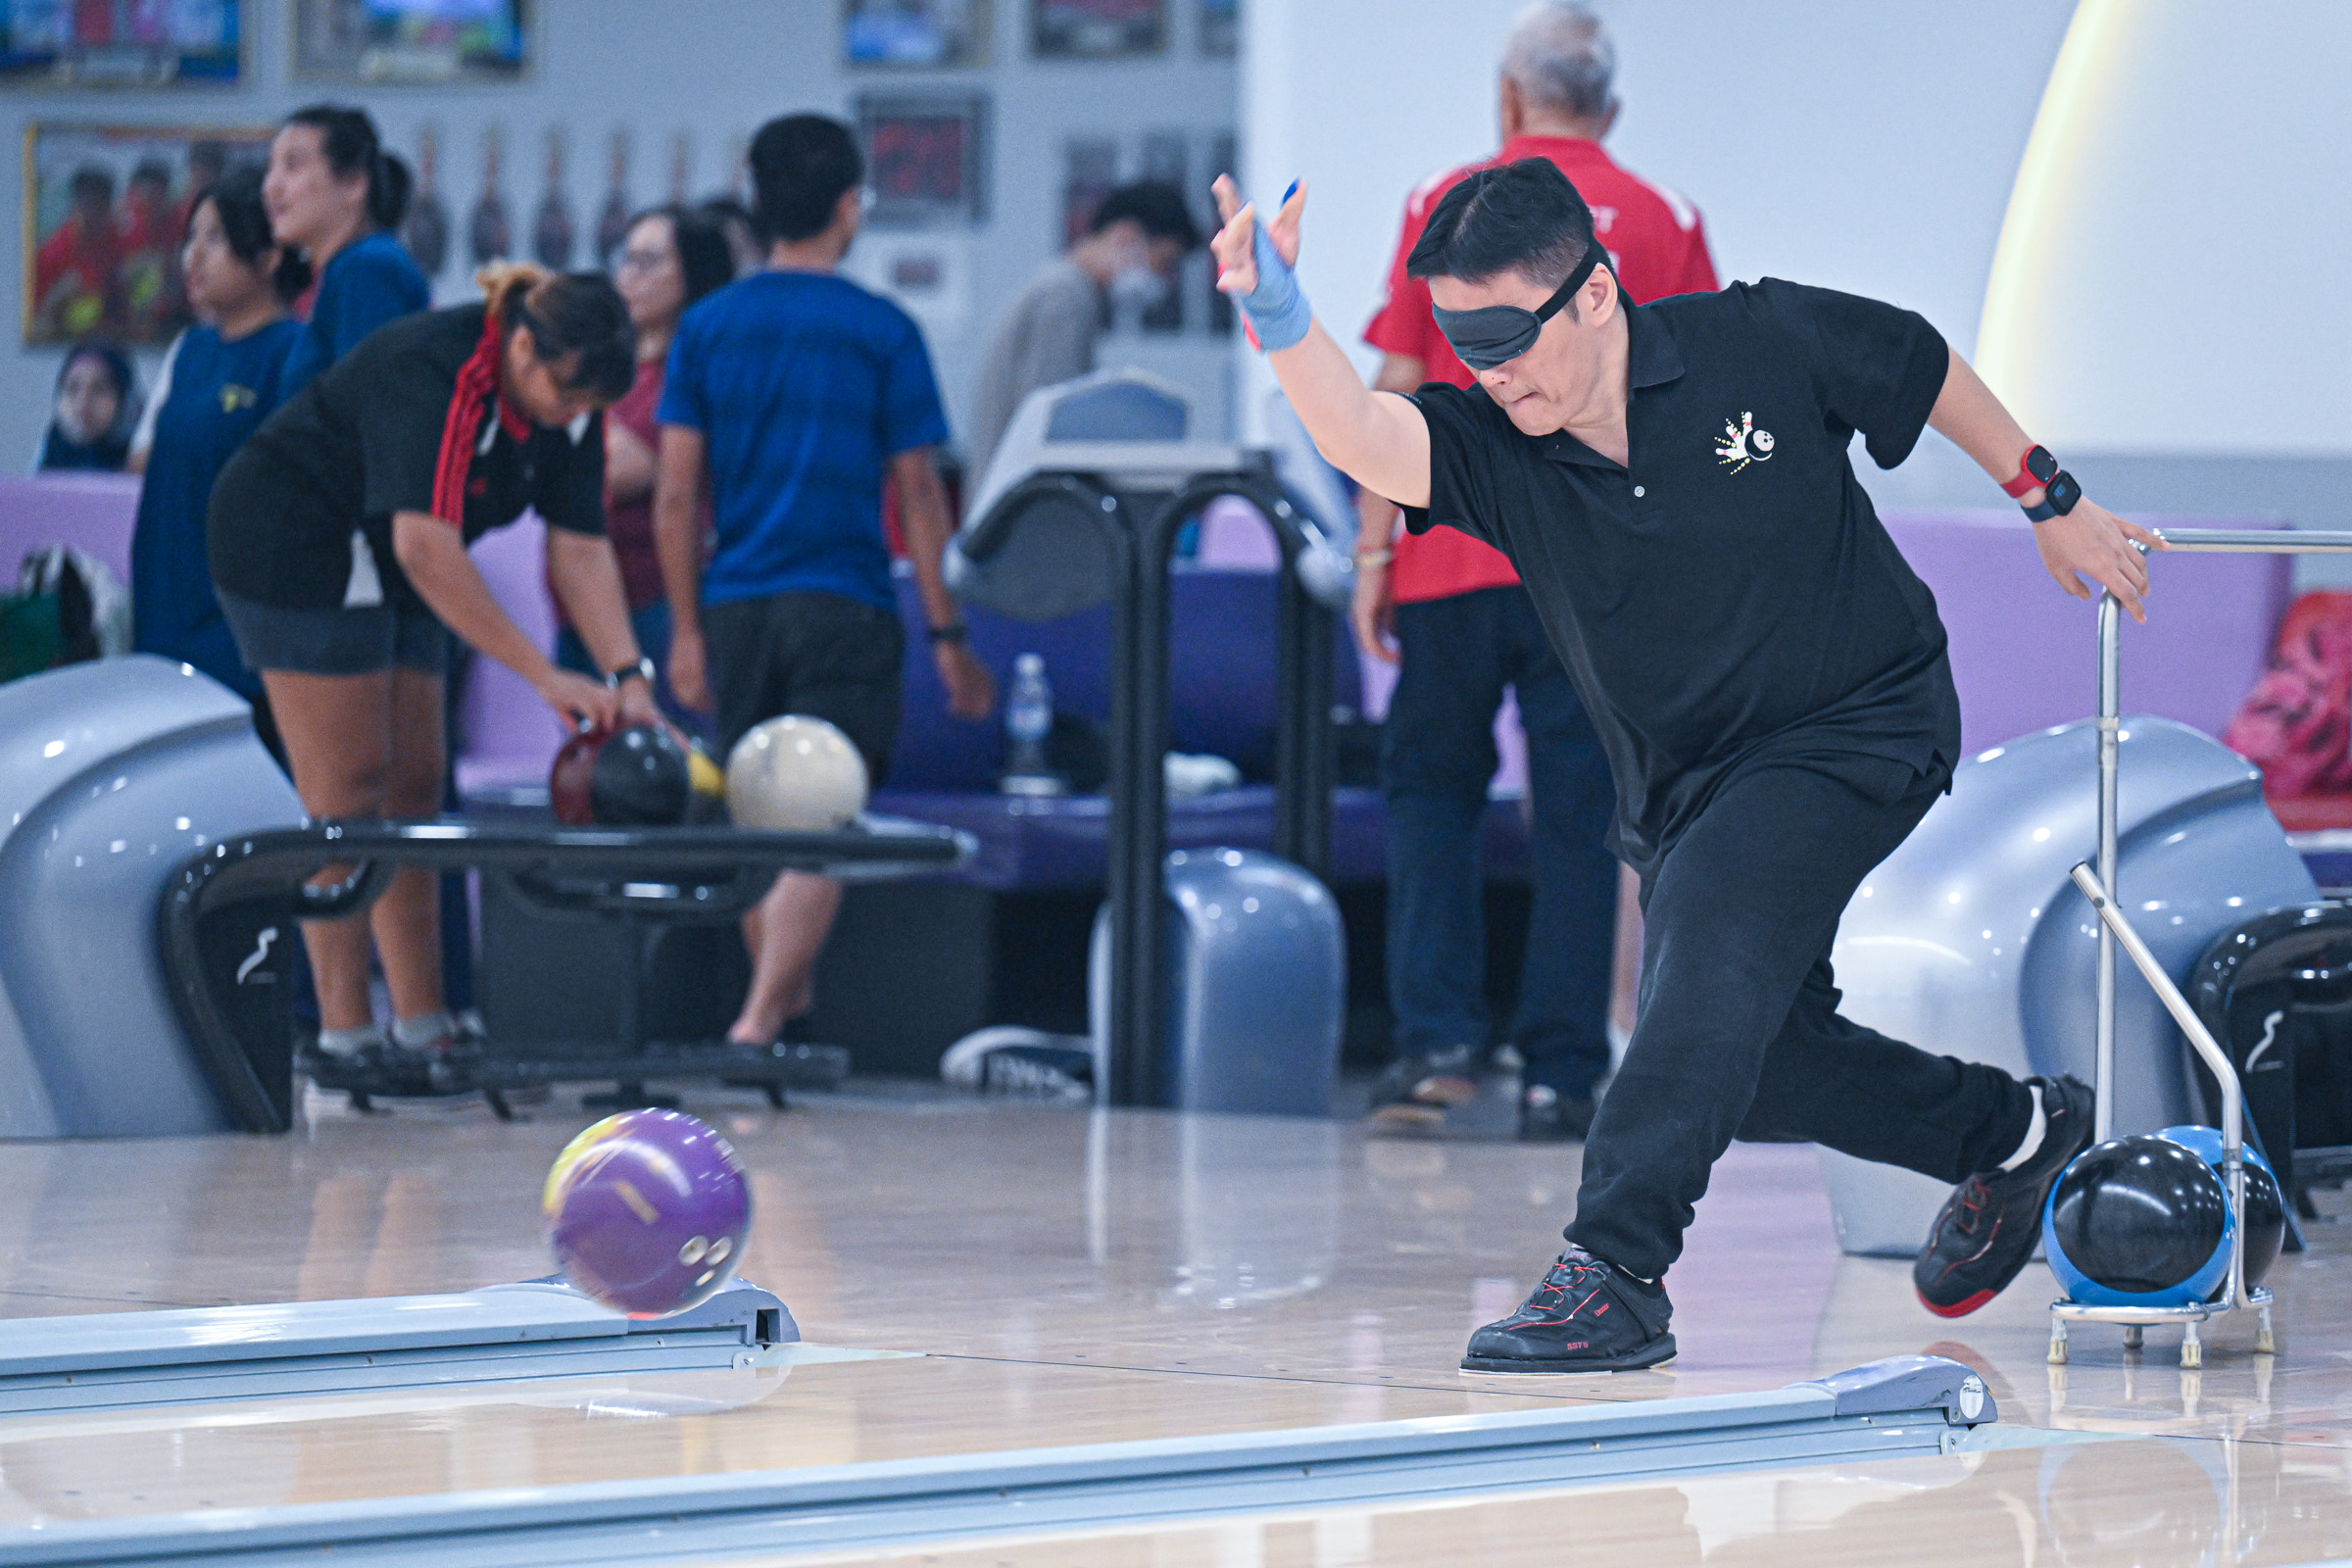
(2063, 493)
(2040, 464)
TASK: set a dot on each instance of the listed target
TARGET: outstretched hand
(2092, 541)
(1236, 243)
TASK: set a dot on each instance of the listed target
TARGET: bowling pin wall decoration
(552, 231)
(613, 224)
(425, 230)
(490, 236)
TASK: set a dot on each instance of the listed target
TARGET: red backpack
(2296, 723)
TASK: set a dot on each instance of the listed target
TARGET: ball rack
(2114, 929)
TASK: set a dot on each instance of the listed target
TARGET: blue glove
(1278, 312)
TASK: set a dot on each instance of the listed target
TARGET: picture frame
(105, 210)
(1097, 30)
(916, 35)
(432, 43)
(926, 156)
(1090, 169)
(57, 43)
(1220, 29)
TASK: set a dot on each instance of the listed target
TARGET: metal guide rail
(537, 1329)
(1908, 1405)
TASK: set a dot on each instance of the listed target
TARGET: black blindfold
(1491, 334)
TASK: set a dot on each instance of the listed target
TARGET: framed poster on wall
(417, 41)
(1220, 28)
(188, 43)
(916, 33)
(1089, 167)
(1097, 30)
(926, 156)
(106, 208)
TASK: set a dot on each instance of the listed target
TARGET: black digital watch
(2059, 493)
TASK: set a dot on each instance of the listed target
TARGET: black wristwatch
(643, 670)
(952, 632)
(2059, 493)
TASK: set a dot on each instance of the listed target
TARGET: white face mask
(1137, 288)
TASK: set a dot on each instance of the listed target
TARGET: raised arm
(1379, 439)
(2087, 542)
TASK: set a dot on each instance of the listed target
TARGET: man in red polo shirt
(1451, 613)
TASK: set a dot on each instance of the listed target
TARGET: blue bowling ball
(2266, 1205)
(2139, 1221)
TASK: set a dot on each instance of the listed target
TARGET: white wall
(1862, 144)
(717, 69)
(2174, 278)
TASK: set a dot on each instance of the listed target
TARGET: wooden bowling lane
(2127, 1503)
(1071, 1277)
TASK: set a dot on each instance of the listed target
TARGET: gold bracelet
(1375, 558)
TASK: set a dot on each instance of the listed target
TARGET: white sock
(2036, 1131)
(348, 1041)
(423, 1030)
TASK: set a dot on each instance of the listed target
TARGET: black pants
(1739, 1033)
(820, 656)
(1458, 653)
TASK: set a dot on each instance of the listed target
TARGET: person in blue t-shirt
(794, 393)
(336, 195)
(220, 380)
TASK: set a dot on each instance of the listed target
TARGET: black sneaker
(1587, 1316)
(378, 1067)
(1415, 1092)
(1548, 1116)
(1986, 1231)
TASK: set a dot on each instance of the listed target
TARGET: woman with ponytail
(222, 379)
(337, 541)
(336, 196)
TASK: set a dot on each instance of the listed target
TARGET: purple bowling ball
(648, 1213)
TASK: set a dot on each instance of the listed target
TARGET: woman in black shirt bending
(337, 538)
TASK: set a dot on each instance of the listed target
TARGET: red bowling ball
(648, 1212)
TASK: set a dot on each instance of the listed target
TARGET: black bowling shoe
(1587, 1316)
(1986, 1231)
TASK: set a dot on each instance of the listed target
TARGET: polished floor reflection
(1069, 1278)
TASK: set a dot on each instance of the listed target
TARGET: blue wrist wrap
(1278, 310)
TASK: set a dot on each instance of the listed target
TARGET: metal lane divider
(1907, 1405)
(506, 1333)
(2099, 887)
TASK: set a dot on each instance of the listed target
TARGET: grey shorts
(356, 641)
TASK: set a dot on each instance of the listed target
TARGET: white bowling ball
(795, 774)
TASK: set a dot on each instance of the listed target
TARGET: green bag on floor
(30, 638)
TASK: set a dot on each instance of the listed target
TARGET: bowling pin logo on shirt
(1741, 443)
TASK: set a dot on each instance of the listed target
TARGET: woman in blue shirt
(220, 379)
(336, 195)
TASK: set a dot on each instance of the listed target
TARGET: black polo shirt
(362, 440)
(1730, 599)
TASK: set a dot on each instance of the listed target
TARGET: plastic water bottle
(1028, 720)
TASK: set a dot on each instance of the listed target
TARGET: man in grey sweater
(1129, 258)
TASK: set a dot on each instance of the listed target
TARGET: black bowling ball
(2139, 1215)
(639, 779)
(2266, 1221)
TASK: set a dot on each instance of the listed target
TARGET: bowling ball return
(2098, 885)
(228, 912)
